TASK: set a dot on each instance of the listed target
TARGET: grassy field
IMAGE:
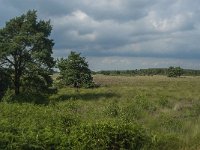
(166, 107)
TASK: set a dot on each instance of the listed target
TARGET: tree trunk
(18, 71)
(17, 84)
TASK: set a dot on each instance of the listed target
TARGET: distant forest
(149, 72)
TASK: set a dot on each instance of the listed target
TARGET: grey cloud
(155, 29)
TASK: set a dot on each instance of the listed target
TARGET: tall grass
(166, 109)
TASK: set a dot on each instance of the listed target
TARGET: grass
(164, 106)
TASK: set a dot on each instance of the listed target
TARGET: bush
(26, 97)
(8, 96)
(109, 136)
(35, 98)
(27, 126)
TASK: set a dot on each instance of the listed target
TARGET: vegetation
(154, 112)
(149, 72)
(175, 71)
(74, 71)
(25, 52)
(125, 112)
(5, 82)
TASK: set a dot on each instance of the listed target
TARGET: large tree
(25, 50)
(74, 71)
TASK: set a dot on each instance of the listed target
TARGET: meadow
(130, 112)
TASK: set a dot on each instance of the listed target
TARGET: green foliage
(5, 82)
(8, 96)
(25, 50)
(35, 83)
(74, 71)
(27, 126)
(137, 108)
(112, 110)
(156, 113)
(164, 102)
(170, 123)
(149, 72)
(110, 136)
(142, 102)
(34, 98)
(175, 71)
(167, 142)
(131, 113)
(179, 71)
(30, 127)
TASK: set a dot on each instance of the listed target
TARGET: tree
(25, 50)
(171, 72)
(74, 71)
(179, 71)
(175, 71)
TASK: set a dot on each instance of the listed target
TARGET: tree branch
(9, 61)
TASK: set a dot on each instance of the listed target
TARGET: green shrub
(5, 81)
(27, 126)
(26, 97)
(112, 110)
(109, 136)
(8, 96)
(35, 98)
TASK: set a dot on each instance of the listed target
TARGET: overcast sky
(120, 34)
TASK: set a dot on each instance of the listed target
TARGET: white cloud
(172, 23)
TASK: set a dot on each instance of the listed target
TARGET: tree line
(170, 72)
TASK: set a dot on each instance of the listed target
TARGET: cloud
(119, 29)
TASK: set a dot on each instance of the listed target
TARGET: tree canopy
(175, 71)
(25, 51)
(74, 71)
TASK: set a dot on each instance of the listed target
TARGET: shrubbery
(110, 136)
(27, 126)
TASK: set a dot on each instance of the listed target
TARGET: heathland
(139, 112)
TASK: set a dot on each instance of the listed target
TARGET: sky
(119, 34)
